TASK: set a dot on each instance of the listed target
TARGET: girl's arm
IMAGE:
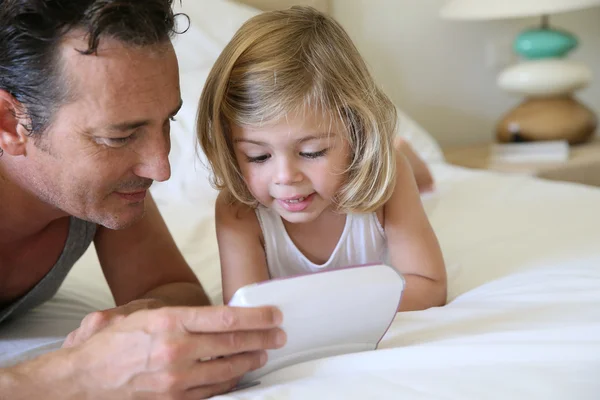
(242, 256)
(413, 247)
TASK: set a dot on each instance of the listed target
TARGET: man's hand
(166, 353)
(96, 321)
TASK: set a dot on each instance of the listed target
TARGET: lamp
(545, 77)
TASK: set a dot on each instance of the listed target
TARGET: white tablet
(327, 313)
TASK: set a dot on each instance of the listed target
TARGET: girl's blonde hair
(286, 61)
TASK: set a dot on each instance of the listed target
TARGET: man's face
(104, 149)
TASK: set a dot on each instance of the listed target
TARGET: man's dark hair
(31, 32)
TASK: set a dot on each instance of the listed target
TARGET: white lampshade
(500, 9)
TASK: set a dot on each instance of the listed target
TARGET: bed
(523, 258)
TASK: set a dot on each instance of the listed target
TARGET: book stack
(507, 155)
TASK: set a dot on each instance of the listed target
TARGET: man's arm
(144, 270)
(143, 262)
(43, 377)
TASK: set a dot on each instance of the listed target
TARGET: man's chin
(119, 219)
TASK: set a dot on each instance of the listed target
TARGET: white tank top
(362, 242)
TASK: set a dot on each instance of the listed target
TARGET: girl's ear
(13, 135)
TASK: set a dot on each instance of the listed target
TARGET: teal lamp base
(536, 44)
(547, 80)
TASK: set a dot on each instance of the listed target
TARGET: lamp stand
(548, 82)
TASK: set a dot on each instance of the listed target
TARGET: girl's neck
(317, 239)
(326, 218)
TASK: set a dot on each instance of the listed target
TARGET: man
(87, 91)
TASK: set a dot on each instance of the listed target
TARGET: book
(556, 151)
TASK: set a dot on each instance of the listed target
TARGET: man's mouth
(134, 197)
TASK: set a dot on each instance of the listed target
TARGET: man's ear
(13, 135)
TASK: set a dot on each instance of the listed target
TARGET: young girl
(301, 144)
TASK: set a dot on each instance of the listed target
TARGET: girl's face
(295, 166)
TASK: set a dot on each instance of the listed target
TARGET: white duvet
(523, 259)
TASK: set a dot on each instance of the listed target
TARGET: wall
(436, 70)
(322, 5)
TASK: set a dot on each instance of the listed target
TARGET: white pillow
(422, 142)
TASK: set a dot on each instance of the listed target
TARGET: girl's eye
(315, 154)
(258, 159)
(173, 119)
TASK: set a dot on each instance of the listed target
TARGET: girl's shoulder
(229, 211)
(413, 177)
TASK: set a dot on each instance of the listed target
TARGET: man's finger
(96, 320)
(223, 370)
(211, 319)
(206, 392)
(191, 348)
(225, 344)
(229, 319)
(70, 339)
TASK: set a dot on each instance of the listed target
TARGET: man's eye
(120, 140)
(258, 159)
(116, 142)
(316, 154)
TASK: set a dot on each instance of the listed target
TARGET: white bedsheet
(523, 321)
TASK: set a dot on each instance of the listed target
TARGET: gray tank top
(81, 234)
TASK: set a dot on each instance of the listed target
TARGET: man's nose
(154, 163)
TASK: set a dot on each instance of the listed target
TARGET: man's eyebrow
(131, 125)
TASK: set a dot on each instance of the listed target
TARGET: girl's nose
(288, 173)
